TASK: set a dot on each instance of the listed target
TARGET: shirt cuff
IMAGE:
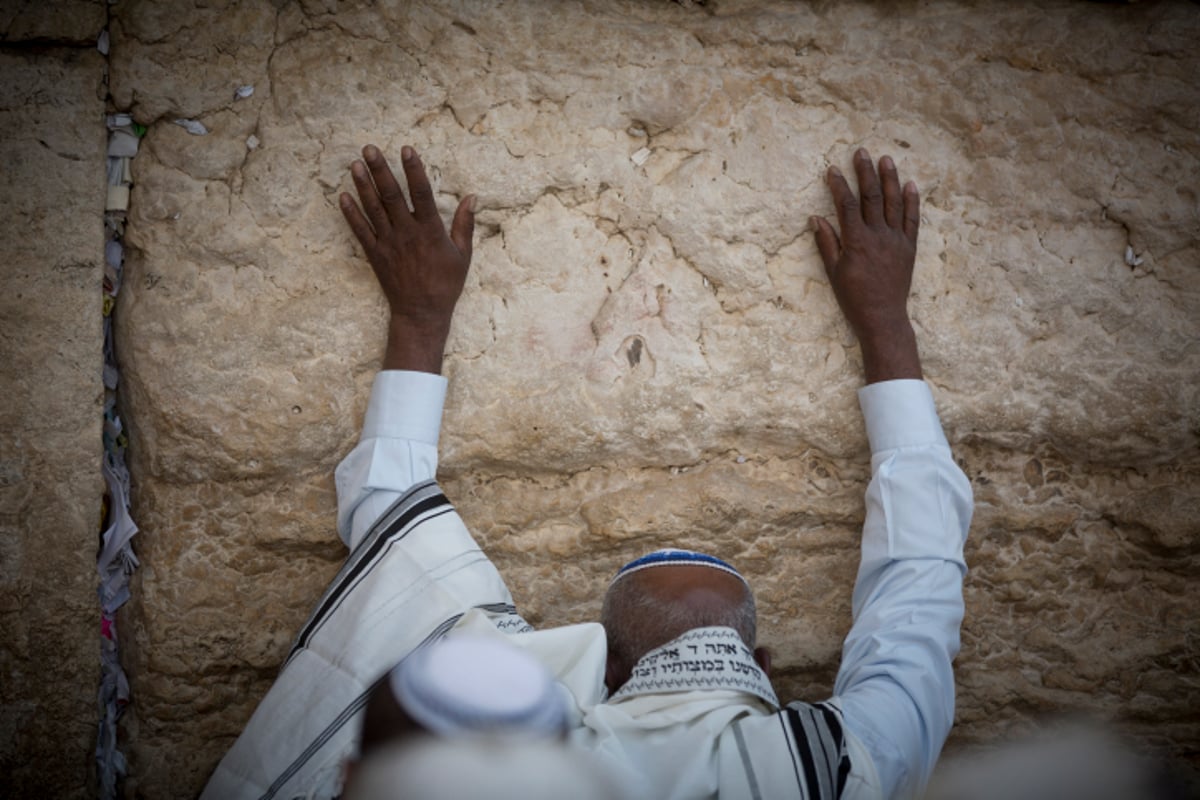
(405, 405)
(900, 413)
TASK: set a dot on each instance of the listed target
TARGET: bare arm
(421, 269)
(870, 266)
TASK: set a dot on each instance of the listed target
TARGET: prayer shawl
(409, 581)
(697, 719)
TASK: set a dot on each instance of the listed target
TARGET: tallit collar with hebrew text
(702, 658)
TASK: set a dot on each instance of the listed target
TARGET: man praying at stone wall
(670, 693)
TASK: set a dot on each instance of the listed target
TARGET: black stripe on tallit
(316, 744)
(345, 716)
(833, 720)
(498, 608)
(791, 745)
(747, 764)
(362, 570)
(816, 734)
(812, 784)
(364, 559)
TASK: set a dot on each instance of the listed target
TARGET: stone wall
(52, 194)
(647, 351)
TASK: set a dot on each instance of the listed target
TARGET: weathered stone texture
(52, 145)
(647, 350)
(57, 22)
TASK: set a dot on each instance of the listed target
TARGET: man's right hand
(420, 268)
(870, 267)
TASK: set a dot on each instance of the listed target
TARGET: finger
(893, 202)
(849, 217)
(912, 211)
(369, 198)
(424, 206)
(868, 188)
(390, 194)
(828, 244)
(462, 228)
(357, 222)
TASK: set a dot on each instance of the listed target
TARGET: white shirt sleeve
(396, 450)
(896, 683)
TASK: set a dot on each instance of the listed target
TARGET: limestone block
(647, 351)
(61, 22)
(52, 143)
(172, 58)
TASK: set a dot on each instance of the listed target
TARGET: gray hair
(637, 621)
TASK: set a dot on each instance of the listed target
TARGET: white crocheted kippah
(467, 684)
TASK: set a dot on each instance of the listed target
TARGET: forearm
(890, 353)
(416, 346)
(895, 680)
(397, 448)
(896, 683)
(422, 268)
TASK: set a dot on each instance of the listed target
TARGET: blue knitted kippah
(671, 557)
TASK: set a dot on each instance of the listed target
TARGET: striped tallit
(410, 579)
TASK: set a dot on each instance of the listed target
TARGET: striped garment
(408, 582)
(417, 575)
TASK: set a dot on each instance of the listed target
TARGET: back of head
(660, 597)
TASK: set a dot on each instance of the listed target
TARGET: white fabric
(494, 768)
(466, 684)
(574, 654)
(702, 658)
(895, 683)
(687, 721)
(409, 581)
(396, 449)
(894, 691)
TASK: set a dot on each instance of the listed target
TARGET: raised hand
(870, 266)
(421, 269)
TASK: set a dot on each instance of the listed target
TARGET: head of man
(461, 686)
(665, 594)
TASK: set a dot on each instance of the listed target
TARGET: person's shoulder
(800, 750)
(797, 718)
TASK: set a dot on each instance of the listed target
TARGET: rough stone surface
(52, 146)
(57, 22)
(647, 350)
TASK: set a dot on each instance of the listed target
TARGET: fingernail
(835, 172)
(407, 153)
(887, 162)
(862, 153)
(473, 203)
(357, 169)
(371, 152)
(812, 224)
(910, 187)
